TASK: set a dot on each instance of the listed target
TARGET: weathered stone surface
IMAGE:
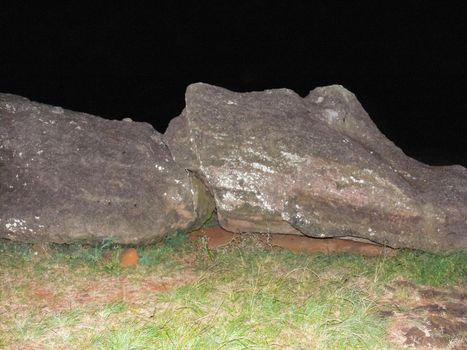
(318, 166)
(67, 176)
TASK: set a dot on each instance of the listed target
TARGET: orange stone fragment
(129, 257)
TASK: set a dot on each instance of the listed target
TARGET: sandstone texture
(316, 166)
(68, 176)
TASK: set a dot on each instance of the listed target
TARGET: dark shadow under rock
(217, 237)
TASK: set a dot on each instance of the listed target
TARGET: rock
(129, 258)
(316, 166)
(68, 176)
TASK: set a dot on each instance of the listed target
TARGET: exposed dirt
(427, 318)
(111, 289)
(217, 237)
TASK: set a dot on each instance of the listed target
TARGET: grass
(183, 296)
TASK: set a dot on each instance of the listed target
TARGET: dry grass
(190, 297)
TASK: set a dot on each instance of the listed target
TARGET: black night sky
(405, 61)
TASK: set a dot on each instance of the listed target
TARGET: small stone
(129, 257)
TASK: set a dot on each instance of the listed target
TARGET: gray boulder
(317, 166)
(68, 176)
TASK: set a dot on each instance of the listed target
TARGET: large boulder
(317, 166)
(68, 176)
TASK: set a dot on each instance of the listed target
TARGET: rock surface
(275, 162)
(68, 176)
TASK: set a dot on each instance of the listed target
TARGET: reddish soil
(218, 237)
(431, 319)
(109, 289)
(129, 257)
(42, 293)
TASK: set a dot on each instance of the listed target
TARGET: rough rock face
(318, 166)
(67, 176)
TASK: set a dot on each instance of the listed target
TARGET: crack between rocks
(202, 180)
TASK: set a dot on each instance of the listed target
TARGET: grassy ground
(185, 296)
